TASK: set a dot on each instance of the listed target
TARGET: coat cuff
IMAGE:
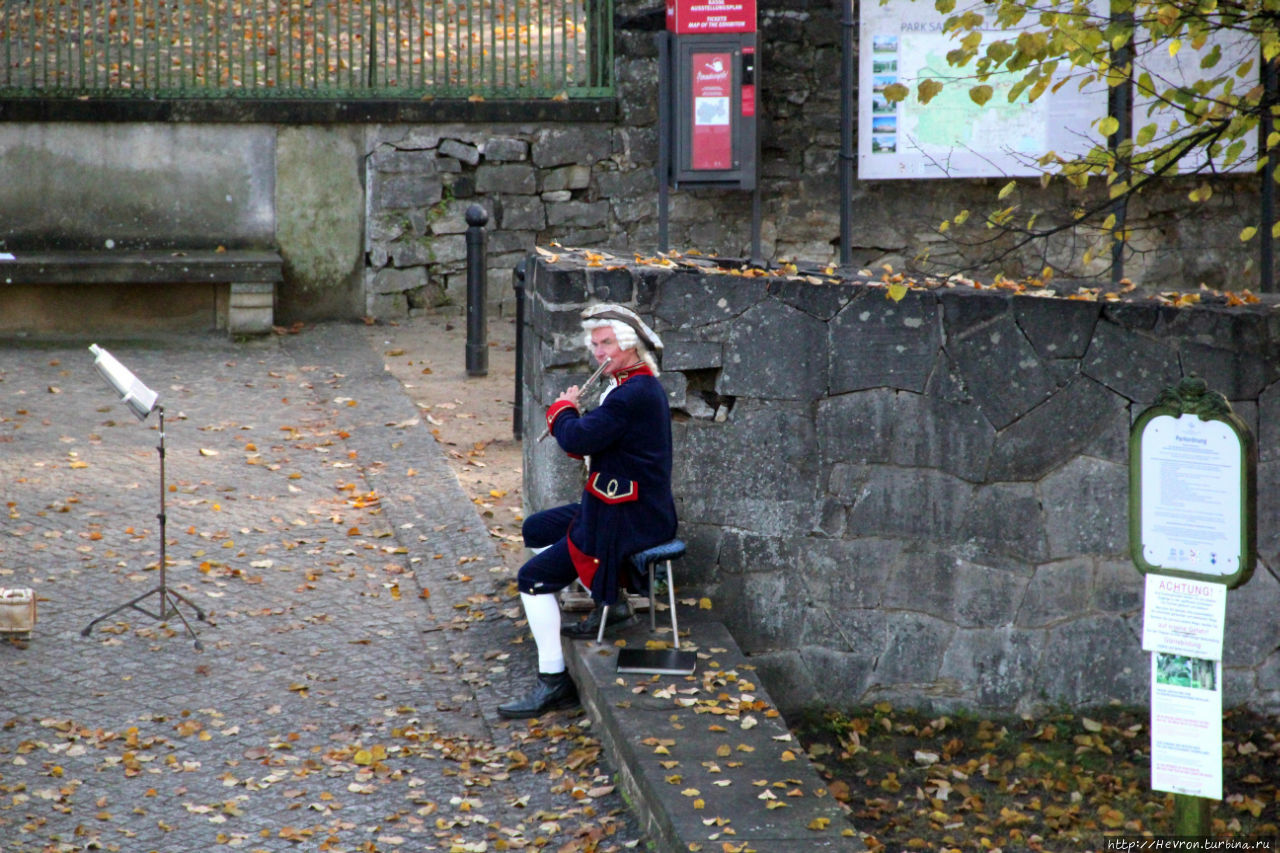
(557, 409)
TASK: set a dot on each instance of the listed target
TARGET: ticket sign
(1192, 488)
(689, 17)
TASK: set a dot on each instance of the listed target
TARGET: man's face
(604, 344)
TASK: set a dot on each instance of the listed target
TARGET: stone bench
(252, 276)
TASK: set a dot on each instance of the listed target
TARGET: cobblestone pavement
(357, 639)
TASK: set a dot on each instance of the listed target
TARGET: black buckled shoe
(620, 615)
(553, 692)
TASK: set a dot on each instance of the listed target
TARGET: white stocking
(543, 613)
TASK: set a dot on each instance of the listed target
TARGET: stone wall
(925, 500)
(537, 185)
(593, 185)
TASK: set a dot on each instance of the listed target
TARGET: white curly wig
(629, 330)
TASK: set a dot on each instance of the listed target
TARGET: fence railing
(307, 48)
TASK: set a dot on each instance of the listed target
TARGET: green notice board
(1193, 488)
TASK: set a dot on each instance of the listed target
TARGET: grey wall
(924, 500)
(155, 185)
(320, 204)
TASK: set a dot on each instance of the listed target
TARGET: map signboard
(1185, 68)
(951, 136)
(902, 41)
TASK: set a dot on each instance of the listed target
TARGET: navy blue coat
(627, 504)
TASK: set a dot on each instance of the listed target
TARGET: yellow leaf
(927, 89)
(1007, 188)
(980, 94)
(1111, 817)
(1108, 125)
(204, 451)
(896, 292)
(1247, 234)
(895, 92)
(819, 823)
(704, 603)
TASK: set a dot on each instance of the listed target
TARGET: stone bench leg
(251, 310)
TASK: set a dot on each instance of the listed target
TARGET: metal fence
(306, 48)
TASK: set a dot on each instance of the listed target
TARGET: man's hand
(570, 395)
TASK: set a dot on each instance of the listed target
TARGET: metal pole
(1120, 107)
(477, 343)
(517, 411)
(757, 255)
(665, 85)
(1267, 214)
(846, 135)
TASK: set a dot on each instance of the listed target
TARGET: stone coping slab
(705, 759)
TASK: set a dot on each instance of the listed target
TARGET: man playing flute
(626, 504)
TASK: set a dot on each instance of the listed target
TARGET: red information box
(712, 102)
(686, 17)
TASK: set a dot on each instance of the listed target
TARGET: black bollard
(477, 329)
(517, 413)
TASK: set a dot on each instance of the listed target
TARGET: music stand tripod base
(168, 598)
(168, 607)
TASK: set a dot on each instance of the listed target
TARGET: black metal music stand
(125, 382)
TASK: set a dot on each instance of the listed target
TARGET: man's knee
(548, 571)
(546, 527)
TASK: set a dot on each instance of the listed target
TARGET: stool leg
(653, 605)
(604, 620)
(671, 595)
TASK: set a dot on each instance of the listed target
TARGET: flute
(591, 380)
